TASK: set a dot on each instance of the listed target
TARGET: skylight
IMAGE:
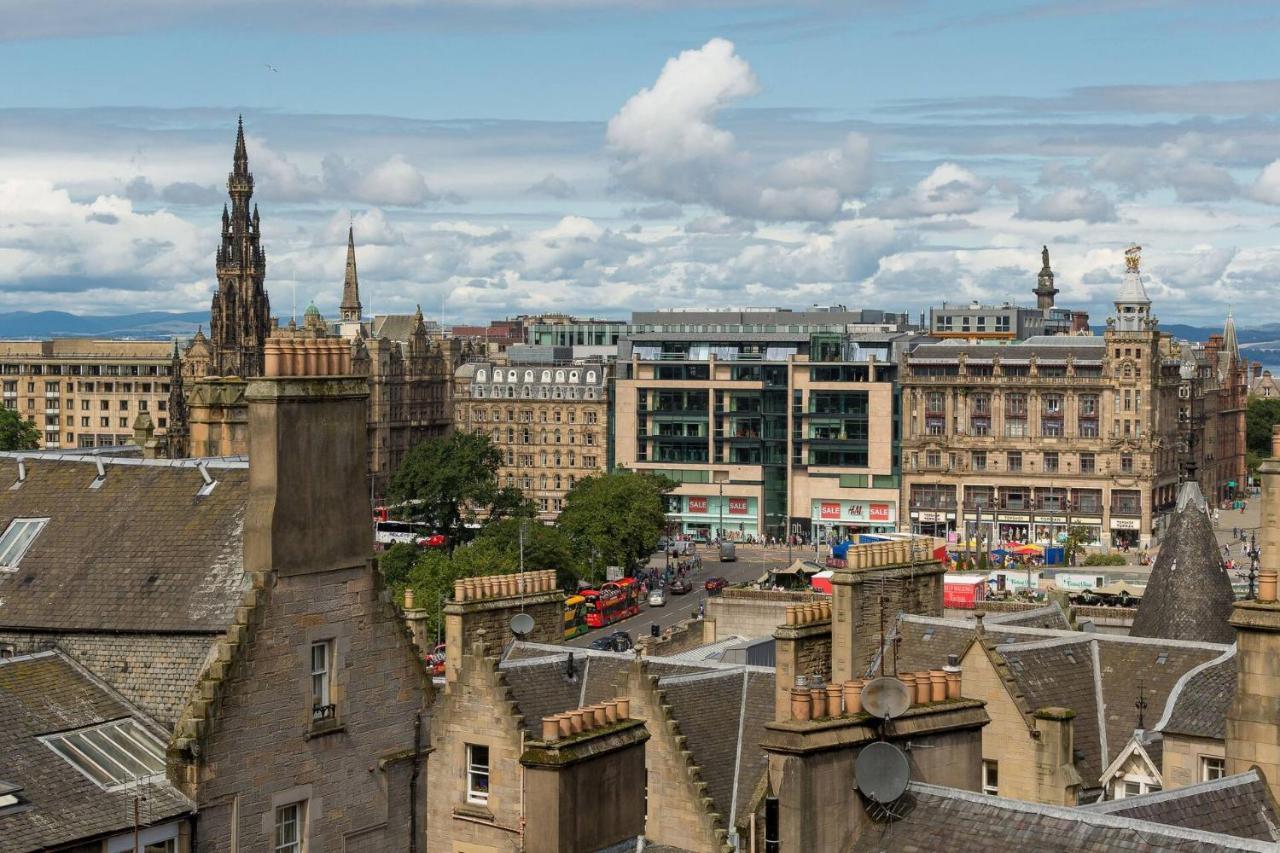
(17, 538)
(112, 754)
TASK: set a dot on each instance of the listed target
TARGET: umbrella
(1000, 552)
(1028, 549)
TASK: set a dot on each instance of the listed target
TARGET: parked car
(658, 598)
(435, 540)
(618, 641)
(728, 552)
(680, 586)
(714, 585)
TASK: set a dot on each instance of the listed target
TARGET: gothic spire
(1229, 343)
(240, 162)
(351, 309)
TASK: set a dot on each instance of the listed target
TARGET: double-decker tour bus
(575, 616)
(613, 602)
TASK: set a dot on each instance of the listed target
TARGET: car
(618, 641)
(658, 598)
(728, 552)
(435, 540)
(602, 644)
(714, 585)
(680, 586)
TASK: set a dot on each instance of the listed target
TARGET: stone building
(1211, 414)
(772, 421)
(549, 419)
(1020, 442)
(84, 393)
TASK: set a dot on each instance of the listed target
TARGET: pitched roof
(1239, 805)
(936, 818)
(1188, 595)
(47, 693)
(1198, 704)
(139, 550)
(1050, 617)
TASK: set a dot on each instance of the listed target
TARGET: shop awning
(801, 567)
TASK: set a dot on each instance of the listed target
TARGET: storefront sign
(737, 506)
(1124, 524)
(854, 512)
(697, 504)
(930, 516)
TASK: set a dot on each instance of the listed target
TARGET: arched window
(542, 482)
(542, 460)
(558, 486)
(526, 392)
(546, 376)
(559, 375)
(573, 376)
(572, 459)
(557, 442)
(557, 458)
(497, 376)
(480, 374)
(528, 376)
(591, 377)
(572, 438)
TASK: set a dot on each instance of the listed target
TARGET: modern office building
(1022, 441)
(772, 421)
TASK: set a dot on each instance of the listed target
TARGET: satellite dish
(522, 625)
(885, 698)
(881, 772)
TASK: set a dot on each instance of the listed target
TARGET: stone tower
(240, 316)
(177, 433)
(1133, 306)
(1045, 291)
(350, 309)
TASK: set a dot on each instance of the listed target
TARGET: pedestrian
(1235, 533)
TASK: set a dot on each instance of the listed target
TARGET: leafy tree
(397, 561)
(1260, 416)
(496, 551)
(448, 482)
(614, 519)
(17, 433)
(1077, 538)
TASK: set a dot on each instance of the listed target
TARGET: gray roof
(47, 693)
(1043, 347)
(1188, 595)
(1050, 616)
(142, 551)
(1239, 805)
(936, 818)
(1131, 289)
(1198, 705)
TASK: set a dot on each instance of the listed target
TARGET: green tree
(496, 551)
(614, 519)
(1261, 415)
(398, 561)
(1077, 538)
(16, 433)
(449, 482)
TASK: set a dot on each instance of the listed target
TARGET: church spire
(1230, 345)
(240, 162)
(351, 309)
(1045, 291)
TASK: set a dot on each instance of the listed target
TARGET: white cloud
(668, 146)
(1067, 204)
(948, 189)
(393, 181)
(554, 186)
(1266, 188)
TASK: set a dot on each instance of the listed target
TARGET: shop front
(1125, 532)
(934, 523)
(833, 520)
(709, 516)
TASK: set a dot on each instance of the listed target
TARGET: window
(1013, 460)
(17, 539)
(991, 778)
(288, 837)
(1126, 463)
(113, 754)
(1212, 768)
(478, 771)
(321, 680)
(979, 460)
(1088, 463)
(1050, 463)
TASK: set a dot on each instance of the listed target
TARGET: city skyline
(711, 154)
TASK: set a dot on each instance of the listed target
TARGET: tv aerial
(521, 625)
(881, 771)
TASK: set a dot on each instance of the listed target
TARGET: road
(752, 562)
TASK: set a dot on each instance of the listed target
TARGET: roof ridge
(1098, 818)
(692, 677)
(1183, 681)
(1051, 643)
(1235, 780)
(232, 462)
(1061, 632)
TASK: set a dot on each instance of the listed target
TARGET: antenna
(521, 625)
(881, 772)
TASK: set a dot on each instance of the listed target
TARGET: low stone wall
(753, 612)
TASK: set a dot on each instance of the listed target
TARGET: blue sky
(599, 156)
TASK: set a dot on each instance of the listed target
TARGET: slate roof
(1197, 707)
(142, 552)
(937, 818)
(46, 693)
(1239, 805)
(1188, 595)
(1050, 617)
(155, 672)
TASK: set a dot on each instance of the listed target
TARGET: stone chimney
(879, 581)
(1057, 781)
(488, 604)
(1079, 322)
(802, 648)
(309, 444)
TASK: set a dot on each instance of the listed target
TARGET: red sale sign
(830, 511)
(697, 504)
(879, 512)
(737, 506)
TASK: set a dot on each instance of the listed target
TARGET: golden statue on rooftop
(1132, 258)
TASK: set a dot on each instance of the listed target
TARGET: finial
(1132, 258)
(1141, 705)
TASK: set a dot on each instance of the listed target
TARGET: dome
(312, 311)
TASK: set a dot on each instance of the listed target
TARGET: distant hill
(60, 324)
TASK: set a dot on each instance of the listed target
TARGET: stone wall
(1007, 740)
(464, 620)
(1182, 756)
(867, 599)
(264, 750)
(799, 650)
(752, 612)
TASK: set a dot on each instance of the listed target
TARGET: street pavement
(753, 561)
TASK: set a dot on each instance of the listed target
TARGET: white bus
(390, 532)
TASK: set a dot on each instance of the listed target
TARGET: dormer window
(17, 538)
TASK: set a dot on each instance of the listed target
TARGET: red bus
(613, 602)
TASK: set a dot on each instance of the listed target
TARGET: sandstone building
(548, 418)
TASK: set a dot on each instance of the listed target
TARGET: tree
(614, 519)
(448, 482)
(1261, 415)
(398, 561)
(16, 433)
(1077, 538)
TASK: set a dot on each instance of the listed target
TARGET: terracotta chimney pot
(923, 689)
(791, 614)
(600, 716)
(937, 685)
(577, 720)
(566, 724)
(801, 705)
(834, 693)
(271, 358)
(611, 711)
(550, 729)
(408, 598)
(853, 696)
(1267, 585)
(826, 609)
(459, 590)
(818, 702)
(909, 679)
(953, 684)
(624, 708)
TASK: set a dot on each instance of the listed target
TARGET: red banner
(879, 512)
(697, 504)
(830, 511)
(737, 506)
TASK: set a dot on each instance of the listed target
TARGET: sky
(498, 157)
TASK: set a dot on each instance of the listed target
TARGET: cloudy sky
(600, 156)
